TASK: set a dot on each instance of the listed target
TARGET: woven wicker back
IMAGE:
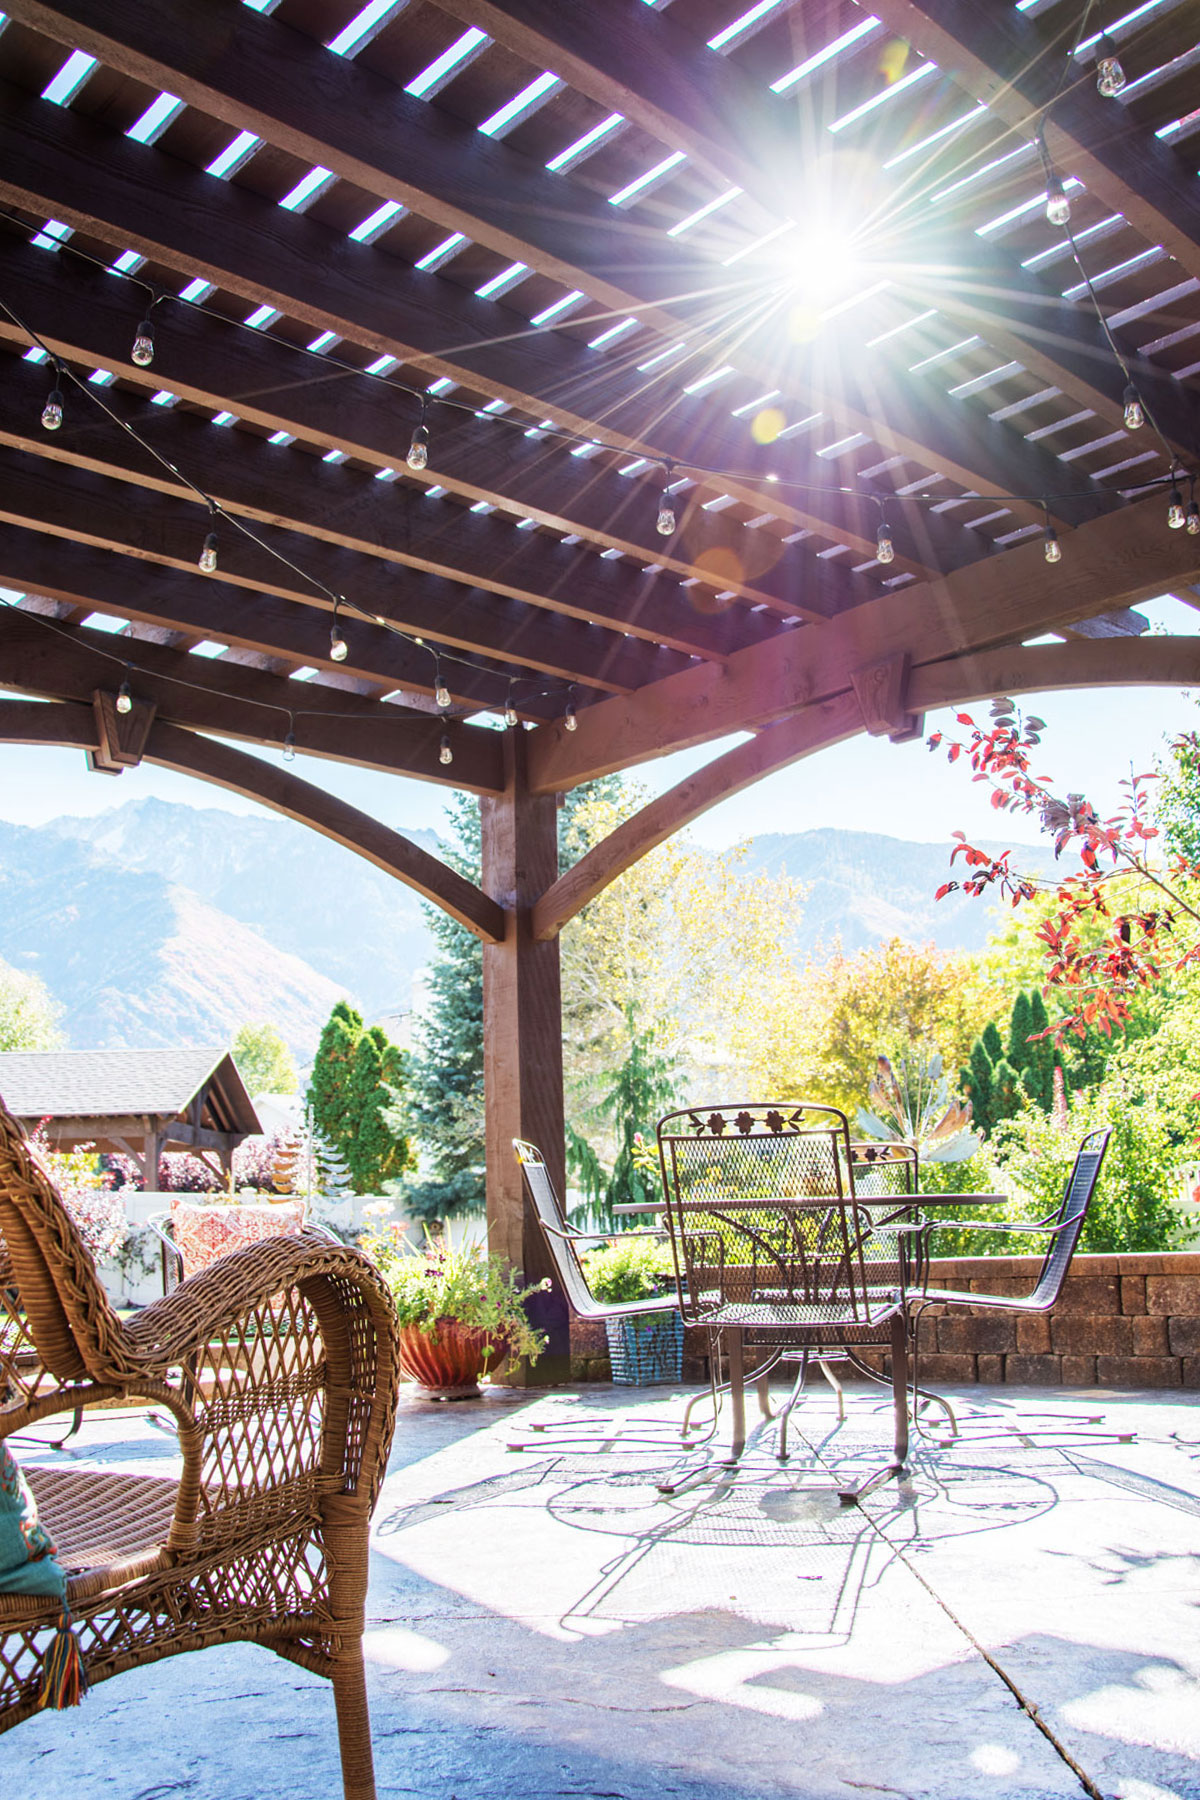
(1081, 1185)
(54, 1314)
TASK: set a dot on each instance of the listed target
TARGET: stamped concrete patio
(1019, 1618)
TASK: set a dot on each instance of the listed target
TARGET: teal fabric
(27, 1564)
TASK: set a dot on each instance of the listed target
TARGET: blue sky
(1094, 740)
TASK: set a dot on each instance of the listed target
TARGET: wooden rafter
(656, 72)
(454, 176)
(68, 662)
(1121, 558)
(170, 747)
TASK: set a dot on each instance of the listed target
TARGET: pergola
(781, 271)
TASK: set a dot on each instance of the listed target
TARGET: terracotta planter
(448, 1364)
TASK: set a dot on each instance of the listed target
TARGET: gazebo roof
(107, 1085)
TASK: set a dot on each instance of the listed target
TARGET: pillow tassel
(64, 1679)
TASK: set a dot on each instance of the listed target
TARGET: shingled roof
(112, 1084)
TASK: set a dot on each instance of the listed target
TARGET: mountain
(863, 887)
(363, 930)
(137, 960)
(165, 924)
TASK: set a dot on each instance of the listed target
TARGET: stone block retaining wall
(1122, 1322)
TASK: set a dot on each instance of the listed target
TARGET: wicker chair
(278, 1365)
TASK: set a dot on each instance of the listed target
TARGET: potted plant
(460, 1310)
(645, 1347)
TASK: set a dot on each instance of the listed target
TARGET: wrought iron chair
(775, 1252)
(278, 1366)
(1062, 1227)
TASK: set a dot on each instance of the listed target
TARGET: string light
(338, 648)
(1176, 517)
(1058, 207)
(510, 711)
(208, 556)
(289, 747)
(1193, 512)
(885, 550)
(445, 753)
(441, 692)
(666, 522)
(418, 451)
(1135, 412)
(569, 719)
(124, 697)
(1110, 76)
(52, 412)
(1051, 548)
(143, 345)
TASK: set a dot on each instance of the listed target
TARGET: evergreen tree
(329, 1084)
(1044, 1058)
(992, 1043)
(1006, 1091)
(351, 1101)
(1019, 1028)
(976, 1084)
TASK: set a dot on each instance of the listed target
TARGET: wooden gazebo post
(522, 1038)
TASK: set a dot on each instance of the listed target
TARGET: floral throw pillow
(27, 1564)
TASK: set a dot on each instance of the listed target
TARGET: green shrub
(631, 1269)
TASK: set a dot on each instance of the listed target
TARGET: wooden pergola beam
(1015, 669)
(1013, 64)
(187, 753)
(1127, 556)
(68, 662)
(660, 75)
(453, 175)
(87, 498)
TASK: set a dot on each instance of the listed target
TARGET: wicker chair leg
(354, 1725)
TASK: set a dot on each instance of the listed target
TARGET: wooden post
(522, 1042)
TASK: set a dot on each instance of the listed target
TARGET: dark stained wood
(1045, 668)
(1013, 64)
(1128, 555)
(522, 1039)
(170, 747)
(74, 492)
(67, 662)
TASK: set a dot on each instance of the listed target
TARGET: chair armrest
(933, 1225)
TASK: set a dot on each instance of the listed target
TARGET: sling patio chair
(775, 1253)
(1061, 1227)
(278, 1366)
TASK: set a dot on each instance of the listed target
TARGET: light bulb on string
(208, 555)
(143, 345)
(52, 412)
(1193, 511)
(666, 522)
(124, 697)
(441, 692)
(1135, 412)
(570, 721)
(510, 712)
(885, 550)
(1051, 548)
(1058, 207)
(418, 450)
(289, 747)
(1176, 517)
(445, 753)
(1110, 76)
(338, 649)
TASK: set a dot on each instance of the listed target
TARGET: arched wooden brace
(67, 722)
(1015, 669)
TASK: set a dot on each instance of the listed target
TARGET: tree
(1116, 925)
(351, 1101)
(29, 1013)
(264, 1061)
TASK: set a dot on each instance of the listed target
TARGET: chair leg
(835, 1384)
(354, 1725)
(785, 1411)
(737, 1395)
(848, 1496)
